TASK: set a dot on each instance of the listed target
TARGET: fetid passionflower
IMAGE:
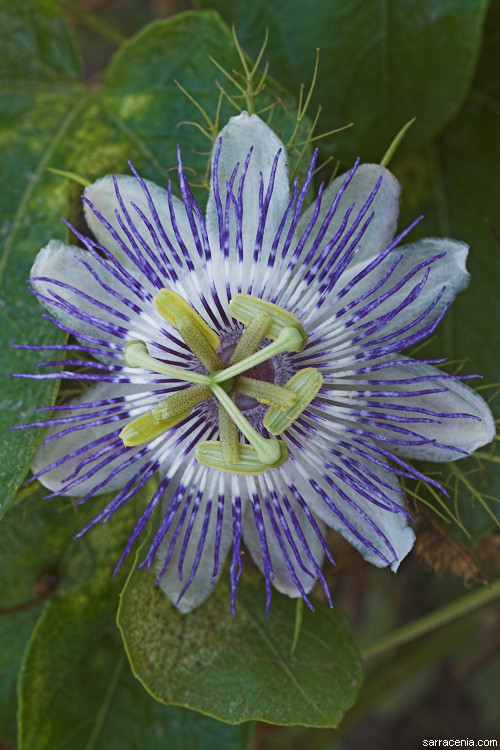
(250, 360)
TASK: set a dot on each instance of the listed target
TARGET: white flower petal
(288, 575)
(59, 264)
(209, 494)
(242, 134)
(414, 295)
(102, 195)
(351, 500)
(337, 231)
(91, 444)
(116, 309)
(463, 433)
(381, 229)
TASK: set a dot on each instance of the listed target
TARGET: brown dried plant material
(441, 551)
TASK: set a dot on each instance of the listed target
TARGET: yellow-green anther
(245, 308)
(198, 343)
(228, 433)
(170, 305)
(210, 454)
(180, 402)
(268, 450)
(305, 384)
(289, 340)
(267, 393)
(144, 428)
(136, 355)
(251, 337)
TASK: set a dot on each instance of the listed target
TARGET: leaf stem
(432, 621)
(299, 609)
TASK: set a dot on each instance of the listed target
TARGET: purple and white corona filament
(249, 358)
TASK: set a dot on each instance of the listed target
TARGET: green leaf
(15, 630)
(33, 537)
(40, 99)
(241, 668)
(76, 689)
(150, 112)
(376, 61)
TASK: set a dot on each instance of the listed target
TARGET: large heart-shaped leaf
(241, 668)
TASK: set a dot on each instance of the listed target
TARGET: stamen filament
(251, 337)
(136, 355)
(199, 345)
(268, 450)
(289, 340)
(181, 401)
(170, 304)
(228, 435)
(266, 393)
(196, 333)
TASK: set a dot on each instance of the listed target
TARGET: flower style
(250, 359)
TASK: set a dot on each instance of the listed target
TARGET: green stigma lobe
(211, 454)
(246, 308)
(144, 428)
(136, 355)
(305, 384)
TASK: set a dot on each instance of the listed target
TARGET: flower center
(264, 372)
(239, 377)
